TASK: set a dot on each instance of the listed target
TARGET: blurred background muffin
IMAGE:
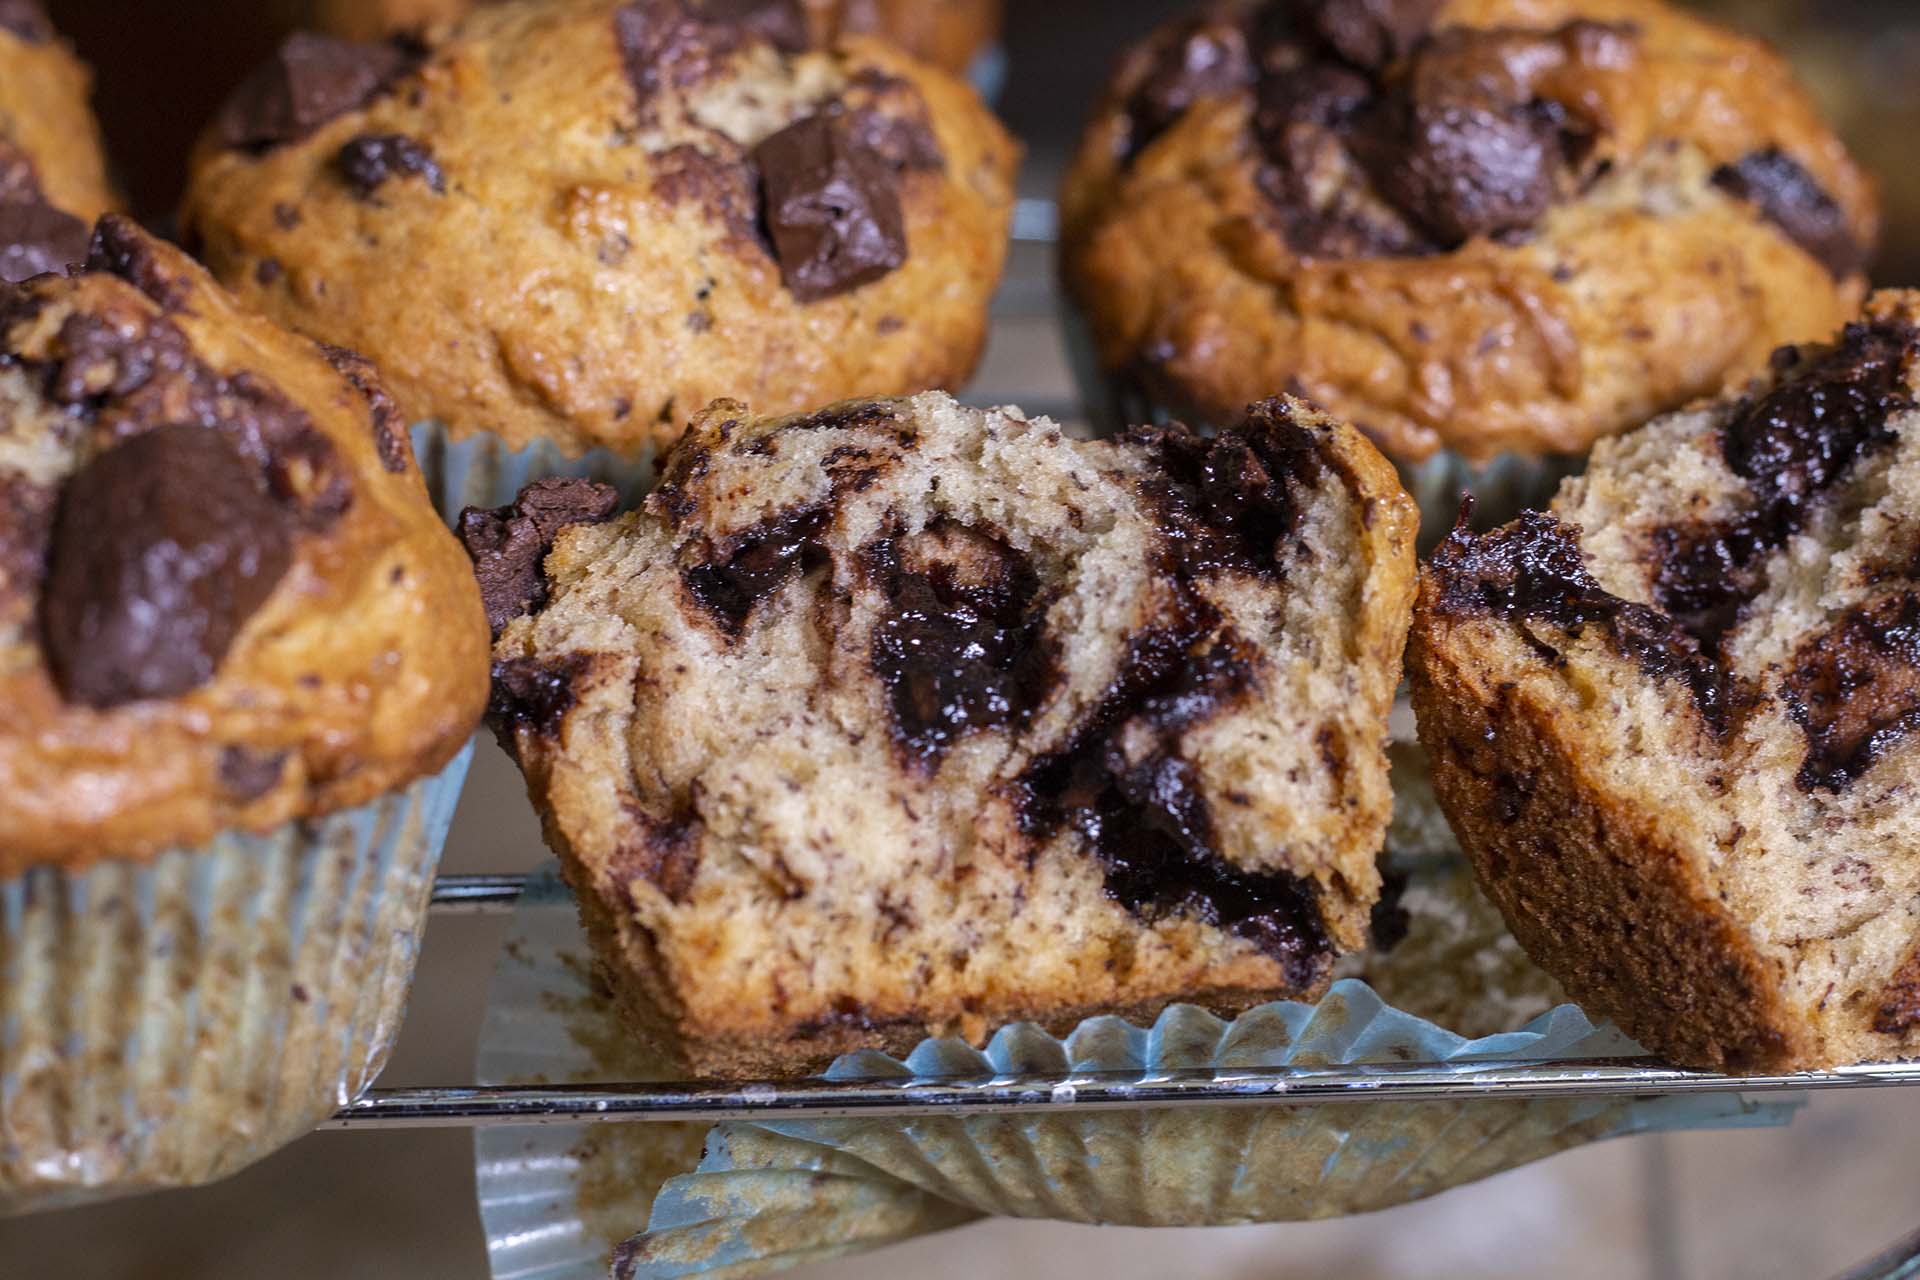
(1488, 231)
(566, 227)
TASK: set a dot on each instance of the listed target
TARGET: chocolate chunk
(26, 19)
(1463, 168)
(1203, 59)
(1791, 446)
(832, 208)
(1534, 571)
(533, 693)
(247, 774)
(366, 162)
(389, 431)
(781, 22)
(754, 565)
(310, 80)
(1854, 690)
(1235, 497)
(664, 46)
(1122, 784)
(1793, 200)
(509, 545)
(36, 238)
(1370, 33)
(121, 248)
(960, 646)
(164, 546)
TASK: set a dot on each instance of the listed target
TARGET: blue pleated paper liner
(165, 1023)
(558, 1203)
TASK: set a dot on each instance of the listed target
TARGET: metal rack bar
(1306, 1086)
(476, 895)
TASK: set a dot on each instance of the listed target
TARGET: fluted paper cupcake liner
(566, 1202)
(1502, 486)
(166, 1023)
(479, 470)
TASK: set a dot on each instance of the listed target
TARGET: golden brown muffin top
(583, 221)
(225, 599)
(1476, 224)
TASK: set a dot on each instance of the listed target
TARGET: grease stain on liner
(654, 1200)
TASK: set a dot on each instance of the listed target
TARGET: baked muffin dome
(903, 718)
(580, 222)
(225, 600)
(1487, 226)
(947, 33)
(53, 173)
(1676, 722)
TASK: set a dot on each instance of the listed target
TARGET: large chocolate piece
(1791, 446)
(533, 694)
(757, 563)
(164, 547)
(1534, 571)
(832, 208)
(368, 161)
(1855, 691)
(36, 238)
(960, 646)
(509, 545)
(309, 81)
(26, 19)
(1793, 200)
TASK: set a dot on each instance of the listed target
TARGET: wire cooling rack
(474, 1107)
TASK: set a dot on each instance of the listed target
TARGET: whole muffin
(53, 173)
(240, 656)
(573, 224)
(947, 33)
(902, 718)
(1484, 227)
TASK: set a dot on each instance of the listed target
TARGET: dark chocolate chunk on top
(163, 548)
(310, 80)
(832, 208)
(509, 545)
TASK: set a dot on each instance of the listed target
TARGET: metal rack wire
(474, 1107)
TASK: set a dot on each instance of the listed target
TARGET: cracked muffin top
(225, 600)
(580, 220)
(53, 172)
(902, 718)
(946, 33)
(1481, 225)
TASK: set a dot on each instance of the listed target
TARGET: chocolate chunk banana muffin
(574, 224)
(1676, 721)
(1482, 229)
(947, 33)
(902, 718)
(53, 180)
(240, 656)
